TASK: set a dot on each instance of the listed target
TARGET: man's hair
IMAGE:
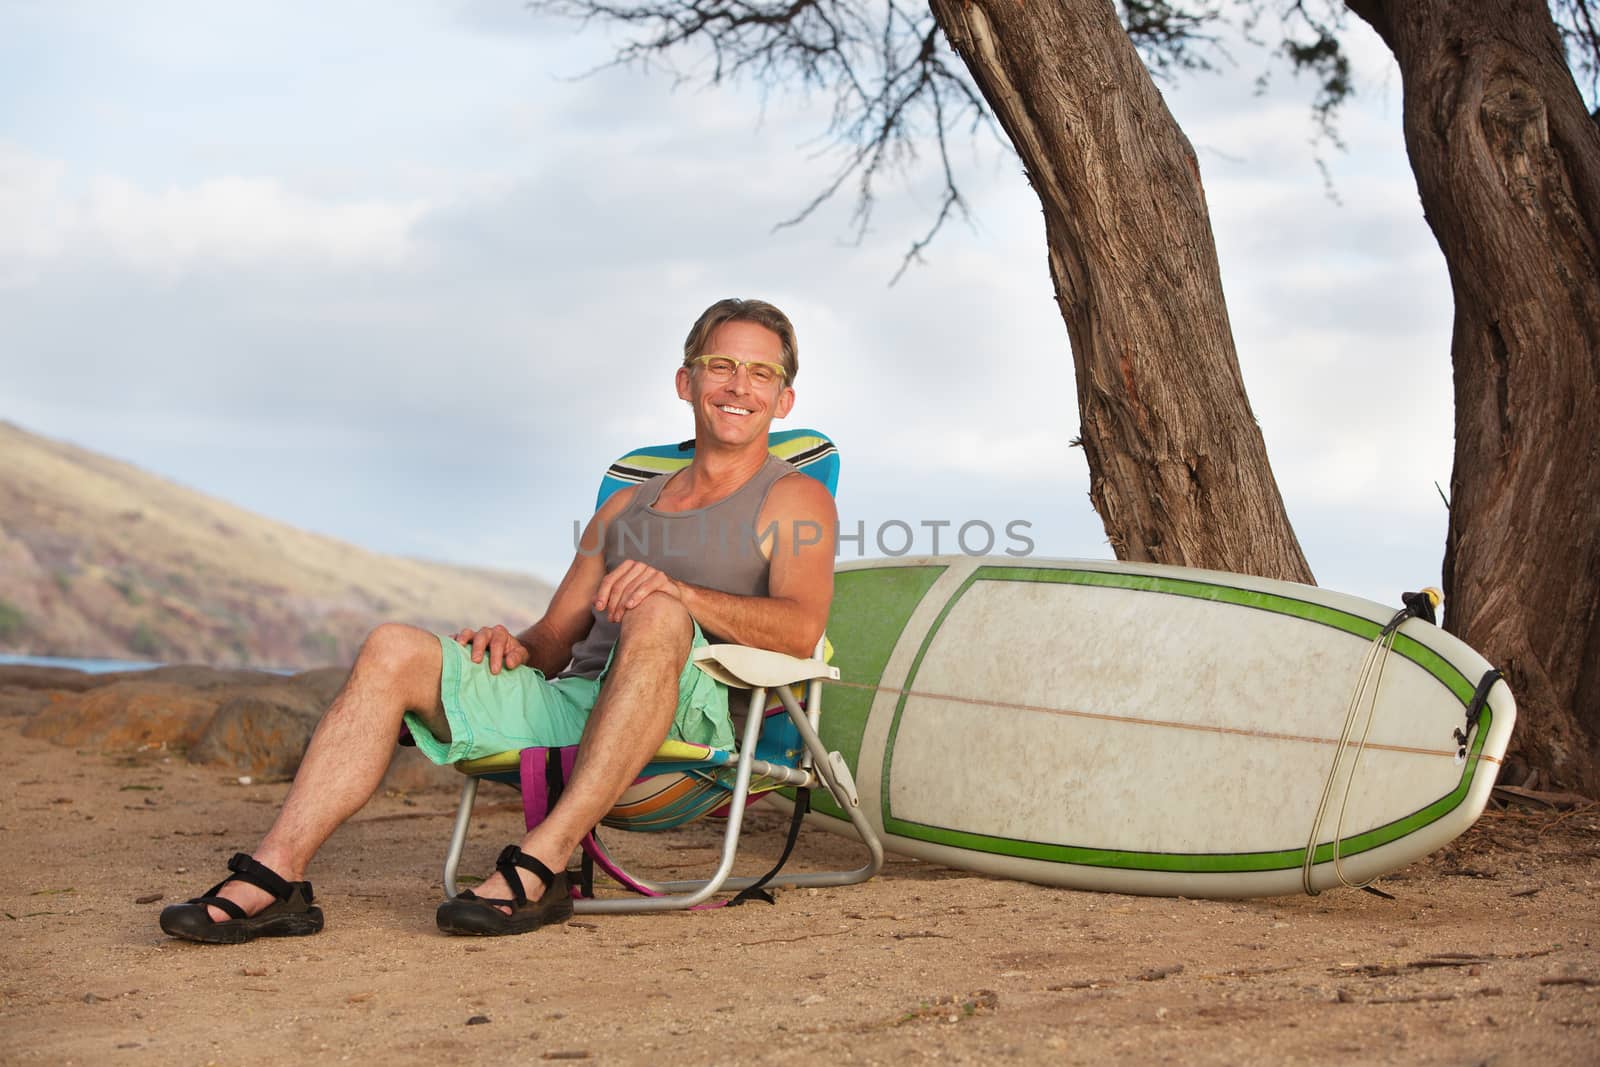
(735, 310)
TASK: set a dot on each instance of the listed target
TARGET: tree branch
(896, 85)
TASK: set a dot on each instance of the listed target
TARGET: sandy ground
(1487, 954)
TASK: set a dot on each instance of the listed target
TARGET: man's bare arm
(800, 584)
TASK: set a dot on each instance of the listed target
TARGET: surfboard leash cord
(1417, 606)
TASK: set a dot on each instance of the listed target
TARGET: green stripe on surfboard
(1365, 628)
(870, 608)
(1423, 656)
(1197, 862)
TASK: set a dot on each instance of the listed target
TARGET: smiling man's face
(736, 411)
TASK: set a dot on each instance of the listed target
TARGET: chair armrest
(751, 668)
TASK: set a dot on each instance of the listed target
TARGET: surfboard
(1150, 729)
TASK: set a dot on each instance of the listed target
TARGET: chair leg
(458, 836)
(836, 777)
(833, 775)
(698, 892)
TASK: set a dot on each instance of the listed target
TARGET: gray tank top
(715, 547)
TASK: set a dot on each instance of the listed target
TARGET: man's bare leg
(629, 721)
(397, 671)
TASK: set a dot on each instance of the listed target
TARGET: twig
(789, 940)
(1420, 998)
(1256, 972)
(1531, 954)
(1569, 813)
(1543, 796)
(1443, 959)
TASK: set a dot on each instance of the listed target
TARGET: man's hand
(501, 646)
(626, 587)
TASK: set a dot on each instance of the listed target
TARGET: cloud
(227, 221)
(30, 213)
(244, 220)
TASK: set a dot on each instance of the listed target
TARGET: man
(726, 547)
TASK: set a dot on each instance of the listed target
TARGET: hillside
(100, 559)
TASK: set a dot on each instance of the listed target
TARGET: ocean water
(90, 666)
(107, 666)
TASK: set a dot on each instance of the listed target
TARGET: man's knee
(659, 616)
(396, 649)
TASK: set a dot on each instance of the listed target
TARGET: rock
(262, 734)
(20, 702)
(24, 676)
(279, 690)
(410, 772)
(324, 682)
(254, 723)
(194, 676)
(124, 716)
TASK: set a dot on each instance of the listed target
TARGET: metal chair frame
(761, 671)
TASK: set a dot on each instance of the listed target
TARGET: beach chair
(779, 747)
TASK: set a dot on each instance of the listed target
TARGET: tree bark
(1507, 162)
(1178, 469)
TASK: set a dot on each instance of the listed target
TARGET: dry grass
(99, 558)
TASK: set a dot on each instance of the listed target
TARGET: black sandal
(468, 913)
(291, 914)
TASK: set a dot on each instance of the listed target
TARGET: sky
(397, 273)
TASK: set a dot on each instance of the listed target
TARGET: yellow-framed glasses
(723, 368)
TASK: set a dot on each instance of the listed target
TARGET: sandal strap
(246, 868)
(511, 857)
(223, 904)
(467, 894)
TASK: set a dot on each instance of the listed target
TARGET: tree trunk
(1507, 162)
(1177, 467)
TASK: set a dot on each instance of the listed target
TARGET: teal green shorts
(520, 708)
